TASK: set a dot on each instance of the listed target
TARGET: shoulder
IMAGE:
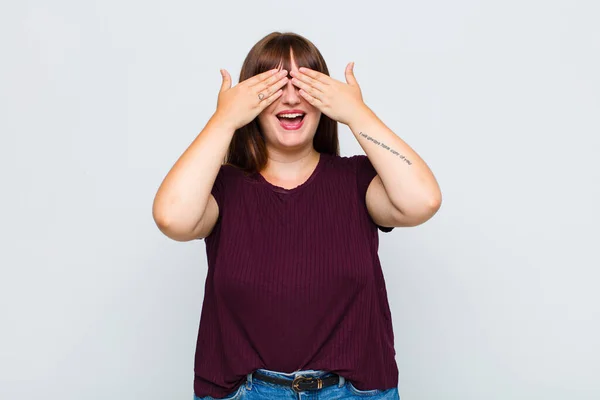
(359, 165)
(342, 163)
(356, 166)
(230, 172)
(226, 182)
(352, 161)
(230, 169)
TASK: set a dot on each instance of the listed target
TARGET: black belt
(300, 383)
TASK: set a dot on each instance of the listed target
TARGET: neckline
(283, 190)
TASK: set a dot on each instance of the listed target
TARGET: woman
(295, 299)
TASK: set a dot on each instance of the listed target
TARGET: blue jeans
(256, 389)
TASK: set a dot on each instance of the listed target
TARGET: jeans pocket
(358, 392)
(236, 394)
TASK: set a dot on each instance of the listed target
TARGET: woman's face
(281, 132)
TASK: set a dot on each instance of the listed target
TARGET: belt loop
(342, 381)
(249, 381)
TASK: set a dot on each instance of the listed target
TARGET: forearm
(183, 195)
(408, 181)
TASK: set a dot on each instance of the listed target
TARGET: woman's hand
(338, 100)
(240, 104)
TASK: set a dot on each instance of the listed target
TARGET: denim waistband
(291, 375)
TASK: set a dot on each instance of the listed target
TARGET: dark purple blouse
(294, 281)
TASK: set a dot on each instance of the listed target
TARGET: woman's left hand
(338, 100)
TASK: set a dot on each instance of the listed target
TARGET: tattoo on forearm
(385, 147)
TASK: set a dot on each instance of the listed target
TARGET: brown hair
(247, 149)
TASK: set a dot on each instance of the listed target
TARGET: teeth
(289, 115)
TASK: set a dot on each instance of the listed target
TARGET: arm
(183, 207)
(404, 192)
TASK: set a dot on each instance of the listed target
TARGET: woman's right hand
(240, 104)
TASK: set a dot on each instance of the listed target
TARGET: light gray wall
(494, 298)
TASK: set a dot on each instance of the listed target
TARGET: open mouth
(292, 121)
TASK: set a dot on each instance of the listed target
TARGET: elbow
(423, 213)
(169, 226)
(173, 231)
(435, 203)
(160, 215)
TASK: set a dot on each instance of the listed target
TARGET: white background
(496, 297)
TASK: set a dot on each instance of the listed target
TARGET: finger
(316, 75)
(226, 84)
(260, 77)
(303, 78)
(263, 85)
(350, 74)
(310, 99)
(268, 100)
(273, 88)
(312, 91)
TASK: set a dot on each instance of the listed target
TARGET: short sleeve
(365, 172)
(218, 191)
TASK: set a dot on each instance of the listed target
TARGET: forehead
(289, 65)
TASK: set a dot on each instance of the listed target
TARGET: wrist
(360, 116)
(223, 120)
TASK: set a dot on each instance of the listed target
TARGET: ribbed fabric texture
(294, 281)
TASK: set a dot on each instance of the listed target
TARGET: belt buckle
(296, 382)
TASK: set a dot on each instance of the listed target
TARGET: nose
(290, 93)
